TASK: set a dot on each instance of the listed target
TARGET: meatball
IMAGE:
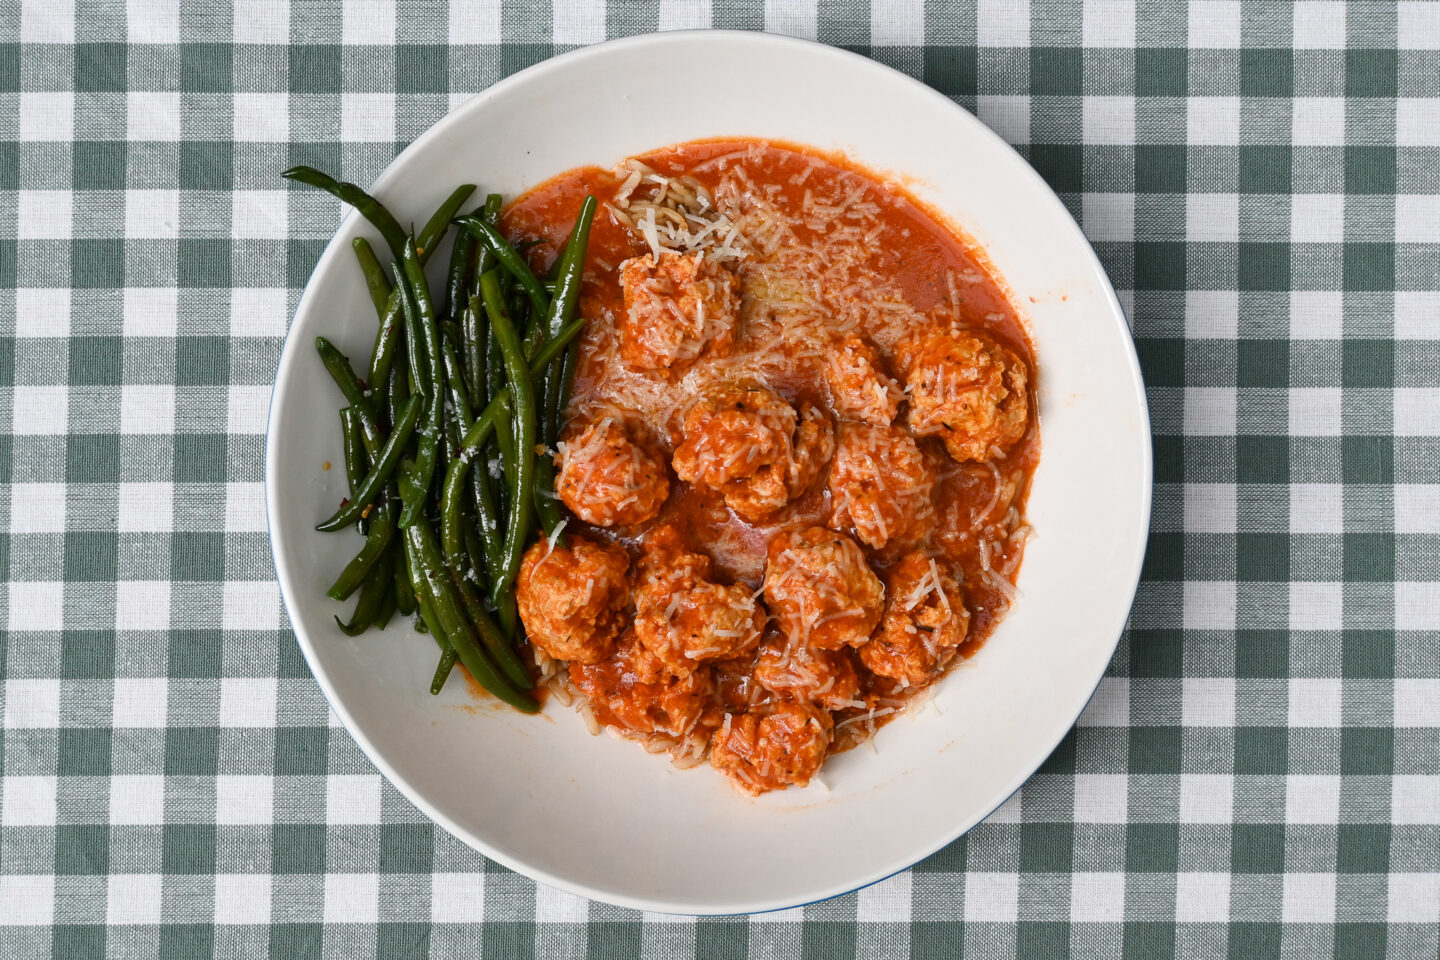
(676, 308)
(860, 389)
(771, 747)
(925, 621)
(747, 443)
(818, 585)
(880, 484)
(682, 616)
(805, 673)
(572, 599)
(634, 691)
(606, 478)
(966, 389)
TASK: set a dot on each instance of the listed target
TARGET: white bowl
(600, 817)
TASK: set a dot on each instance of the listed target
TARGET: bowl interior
(600, 817)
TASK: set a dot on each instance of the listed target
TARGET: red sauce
(921, 260)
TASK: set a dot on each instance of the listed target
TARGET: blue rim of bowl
(1038, 185)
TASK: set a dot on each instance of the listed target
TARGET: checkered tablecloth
(1259, 775)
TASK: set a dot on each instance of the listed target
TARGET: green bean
(417, 302)
(368, 607)
(375, 280)
(414, 343)
(569, 278)
(510, 259)
(457, 283)
(370, 208)
(387, 608)
(566, 377)
(426, 623)
(547, 504)
(433, 232)
(428, 572)
(344, 376)
(399, 391)
(354, 453)
(387, 336)
(496, 643)
(448, 656)
(484, 426)
(377, 542)
(404, 591)
(384, 465)
(517, 374)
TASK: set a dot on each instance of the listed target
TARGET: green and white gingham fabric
(1259, 774)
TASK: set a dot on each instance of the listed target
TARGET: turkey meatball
(682, 616)
(747, 443)
(607, 479)
(880, 484)
(820, 588)
(772, 747)
(676, 308)
(925, 621)
(803, 672)
(572, 599)
(860, 389)
(634, 690)
(967, 390)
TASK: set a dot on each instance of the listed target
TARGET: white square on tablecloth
(1308, 898)
(1317, 411)
(1209, 605)
(244, 799)
(1317, 122)
(247, 408)
(1317, 508)
(146, 507)
(137, 800)
(991, 897)
(260, 117)
(1108, 120)
(367, 22)
(553, 905)
(1418, 25)
(260, 214)
(1315, 702)
(258, 312)
(152, 21)
(1108, 23)
(247, 701)
(367, 117)
(1213, 121)
(1413, 898)
(39, 410)
(44, 214)
(1209, 508)
(251, 605)
(1101, 798)
(1212, 217)
(152, 214)
(135, 898)
(242, 898)
(886, 901)
(1214, 25)
(1417, 701)
(1417, 605)
(140, 702)
(1417, 218)
(1097, 897)
(457, 897)
(37, 508)
(479, 23)
(1317, 218)
(1206, 797)
(42, 312)
(1318, 25)
(261, 21)
(27, 900)
(352, 798)
(1317, 314)
(27, 801)
(1312, 798)
(898, 23)
(1208, 701)
(1316, 605)
(1210, 411)
(142, 605)
(37, 605)
(150, 311)
(1212, 314)
(1415, 799)
(47, 116)
(245, 507)
(147, 409)
(152, 115)
(352, 898)
(47, 21)
(1417, 122)
(1002, 23)
(32, 703)
(1202, 897)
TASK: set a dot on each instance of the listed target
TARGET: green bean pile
(504, 342)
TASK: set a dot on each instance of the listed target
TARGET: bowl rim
(456, 116)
